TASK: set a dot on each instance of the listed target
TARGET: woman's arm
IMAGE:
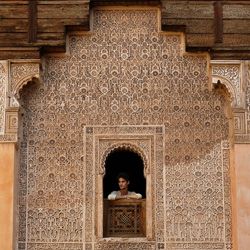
(133, 195)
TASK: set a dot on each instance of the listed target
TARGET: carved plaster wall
(123, 75)
(235, 75)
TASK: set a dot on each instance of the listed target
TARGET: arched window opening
(124, 160)
(124, 217)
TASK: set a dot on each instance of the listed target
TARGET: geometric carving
(124, 218)
(239, 121)
(11, 126)
(125, 84)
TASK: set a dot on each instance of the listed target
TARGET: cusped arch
(21, 73)
(23, 82)
(229, 87)
(125, 146)
(15, 94)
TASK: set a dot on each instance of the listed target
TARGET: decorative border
(148, 141)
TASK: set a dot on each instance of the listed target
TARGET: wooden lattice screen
(124, 218)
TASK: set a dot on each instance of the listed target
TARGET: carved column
(13, 76)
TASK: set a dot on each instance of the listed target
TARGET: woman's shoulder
(112, 195)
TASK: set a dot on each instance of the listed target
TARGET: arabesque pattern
(125, 72)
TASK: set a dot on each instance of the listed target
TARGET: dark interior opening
(124, 160)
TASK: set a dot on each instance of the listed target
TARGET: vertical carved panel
(248, 97)
(3, 89)
(125, 73)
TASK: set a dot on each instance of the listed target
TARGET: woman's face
(123, 184)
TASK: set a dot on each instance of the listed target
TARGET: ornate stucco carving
(230, 74)
(3, 89)
(22, 72)
(146, 141)
(248, 97)
(235, 75)
(13, 76)
(125, 73)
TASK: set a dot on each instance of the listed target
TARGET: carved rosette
(13, 76)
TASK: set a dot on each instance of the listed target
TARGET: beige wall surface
(242, 164)
(7, 163)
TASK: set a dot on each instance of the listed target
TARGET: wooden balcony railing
(124, 218)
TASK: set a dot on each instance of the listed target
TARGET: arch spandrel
(21, 73)
(230, 74)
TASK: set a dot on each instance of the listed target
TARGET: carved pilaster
(3, 89)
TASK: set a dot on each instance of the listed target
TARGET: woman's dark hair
(123, 175)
